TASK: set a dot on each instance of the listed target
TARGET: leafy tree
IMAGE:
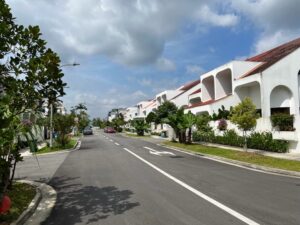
(63, 124)
(164, 110)
(244, 116)
(83, 120)
(140, 126)
(151, 118)
(202, 121)
(29, 73)
(98, 122)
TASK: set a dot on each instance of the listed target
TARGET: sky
(130, 50)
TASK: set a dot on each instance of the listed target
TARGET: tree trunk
(13, 174)
(190, 135)
(245, 141)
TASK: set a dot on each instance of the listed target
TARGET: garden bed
(21, 195)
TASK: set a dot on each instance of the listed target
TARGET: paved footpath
(118, 180)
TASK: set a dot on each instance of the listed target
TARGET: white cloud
(131, 33)
(194, 69)
(278, 22)
(165, 64)
(223, 20)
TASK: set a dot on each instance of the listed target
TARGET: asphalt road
(118, 180)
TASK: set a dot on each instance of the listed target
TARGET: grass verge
(134, 135)
(56, 148)
(21, 195)
(253, 158)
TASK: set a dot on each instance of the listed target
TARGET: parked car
(87, 131)
(109, 130)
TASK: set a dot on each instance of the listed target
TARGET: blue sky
(131, 50)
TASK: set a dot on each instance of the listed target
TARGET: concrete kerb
(40, 207)
(238, 163)
(76, 147)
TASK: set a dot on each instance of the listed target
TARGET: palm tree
(189, 121)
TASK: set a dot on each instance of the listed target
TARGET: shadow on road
(87, 204)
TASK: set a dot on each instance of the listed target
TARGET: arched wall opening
(223, 83)
(250, 90)
(208, 89)
(281, 100)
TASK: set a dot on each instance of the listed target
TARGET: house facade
(271, 79)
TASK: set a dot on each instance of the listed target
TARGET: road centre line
(198, 193)
(117, 143)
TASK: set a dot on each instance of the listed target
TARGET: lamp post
(51, 108)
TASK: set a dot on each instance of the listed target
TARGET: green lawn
(21, 195)
(56, 148)
(248, 157)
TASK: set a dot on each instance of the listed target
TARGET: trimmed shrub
(262, 141)
(222, 124)
(155, 133)
(285, 122)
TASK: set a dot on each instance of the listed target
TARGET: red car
(109, 130)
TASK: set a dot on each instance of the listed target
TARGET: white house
(131, 113)
(180, 97)
(271, 79)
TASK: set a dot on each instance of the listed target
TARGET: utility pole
(51, 109)
(51, 125)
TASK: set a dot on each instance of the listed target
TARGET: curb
(40, 207)
(76, 147)
(237, 163)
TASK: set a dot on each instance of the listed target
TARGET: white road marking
(155, 152)
(117, 143)
(111, 140)
(198, 193)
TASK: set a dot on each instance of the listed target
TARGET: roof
(207, 102)
(196, 92)
(187, 87)
(272, 56)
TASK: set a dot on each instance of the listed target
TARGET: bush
(222, 124)
(262, 141)
(155, 133)
(285, 122)
(119, 129)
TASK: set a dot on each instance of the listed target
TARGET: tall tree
(29, 73)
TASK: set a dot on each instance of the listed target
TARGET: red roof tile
(272, 56)
(190, 85)
(187, 87)
(196, 92)
(207, 102)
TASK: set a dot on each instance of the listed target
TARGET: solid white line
(117, 143)
(198, 193)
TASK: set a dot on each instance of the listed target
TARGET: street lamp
(51, 107)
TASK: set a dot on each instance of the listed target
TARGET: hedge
(262, 141)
